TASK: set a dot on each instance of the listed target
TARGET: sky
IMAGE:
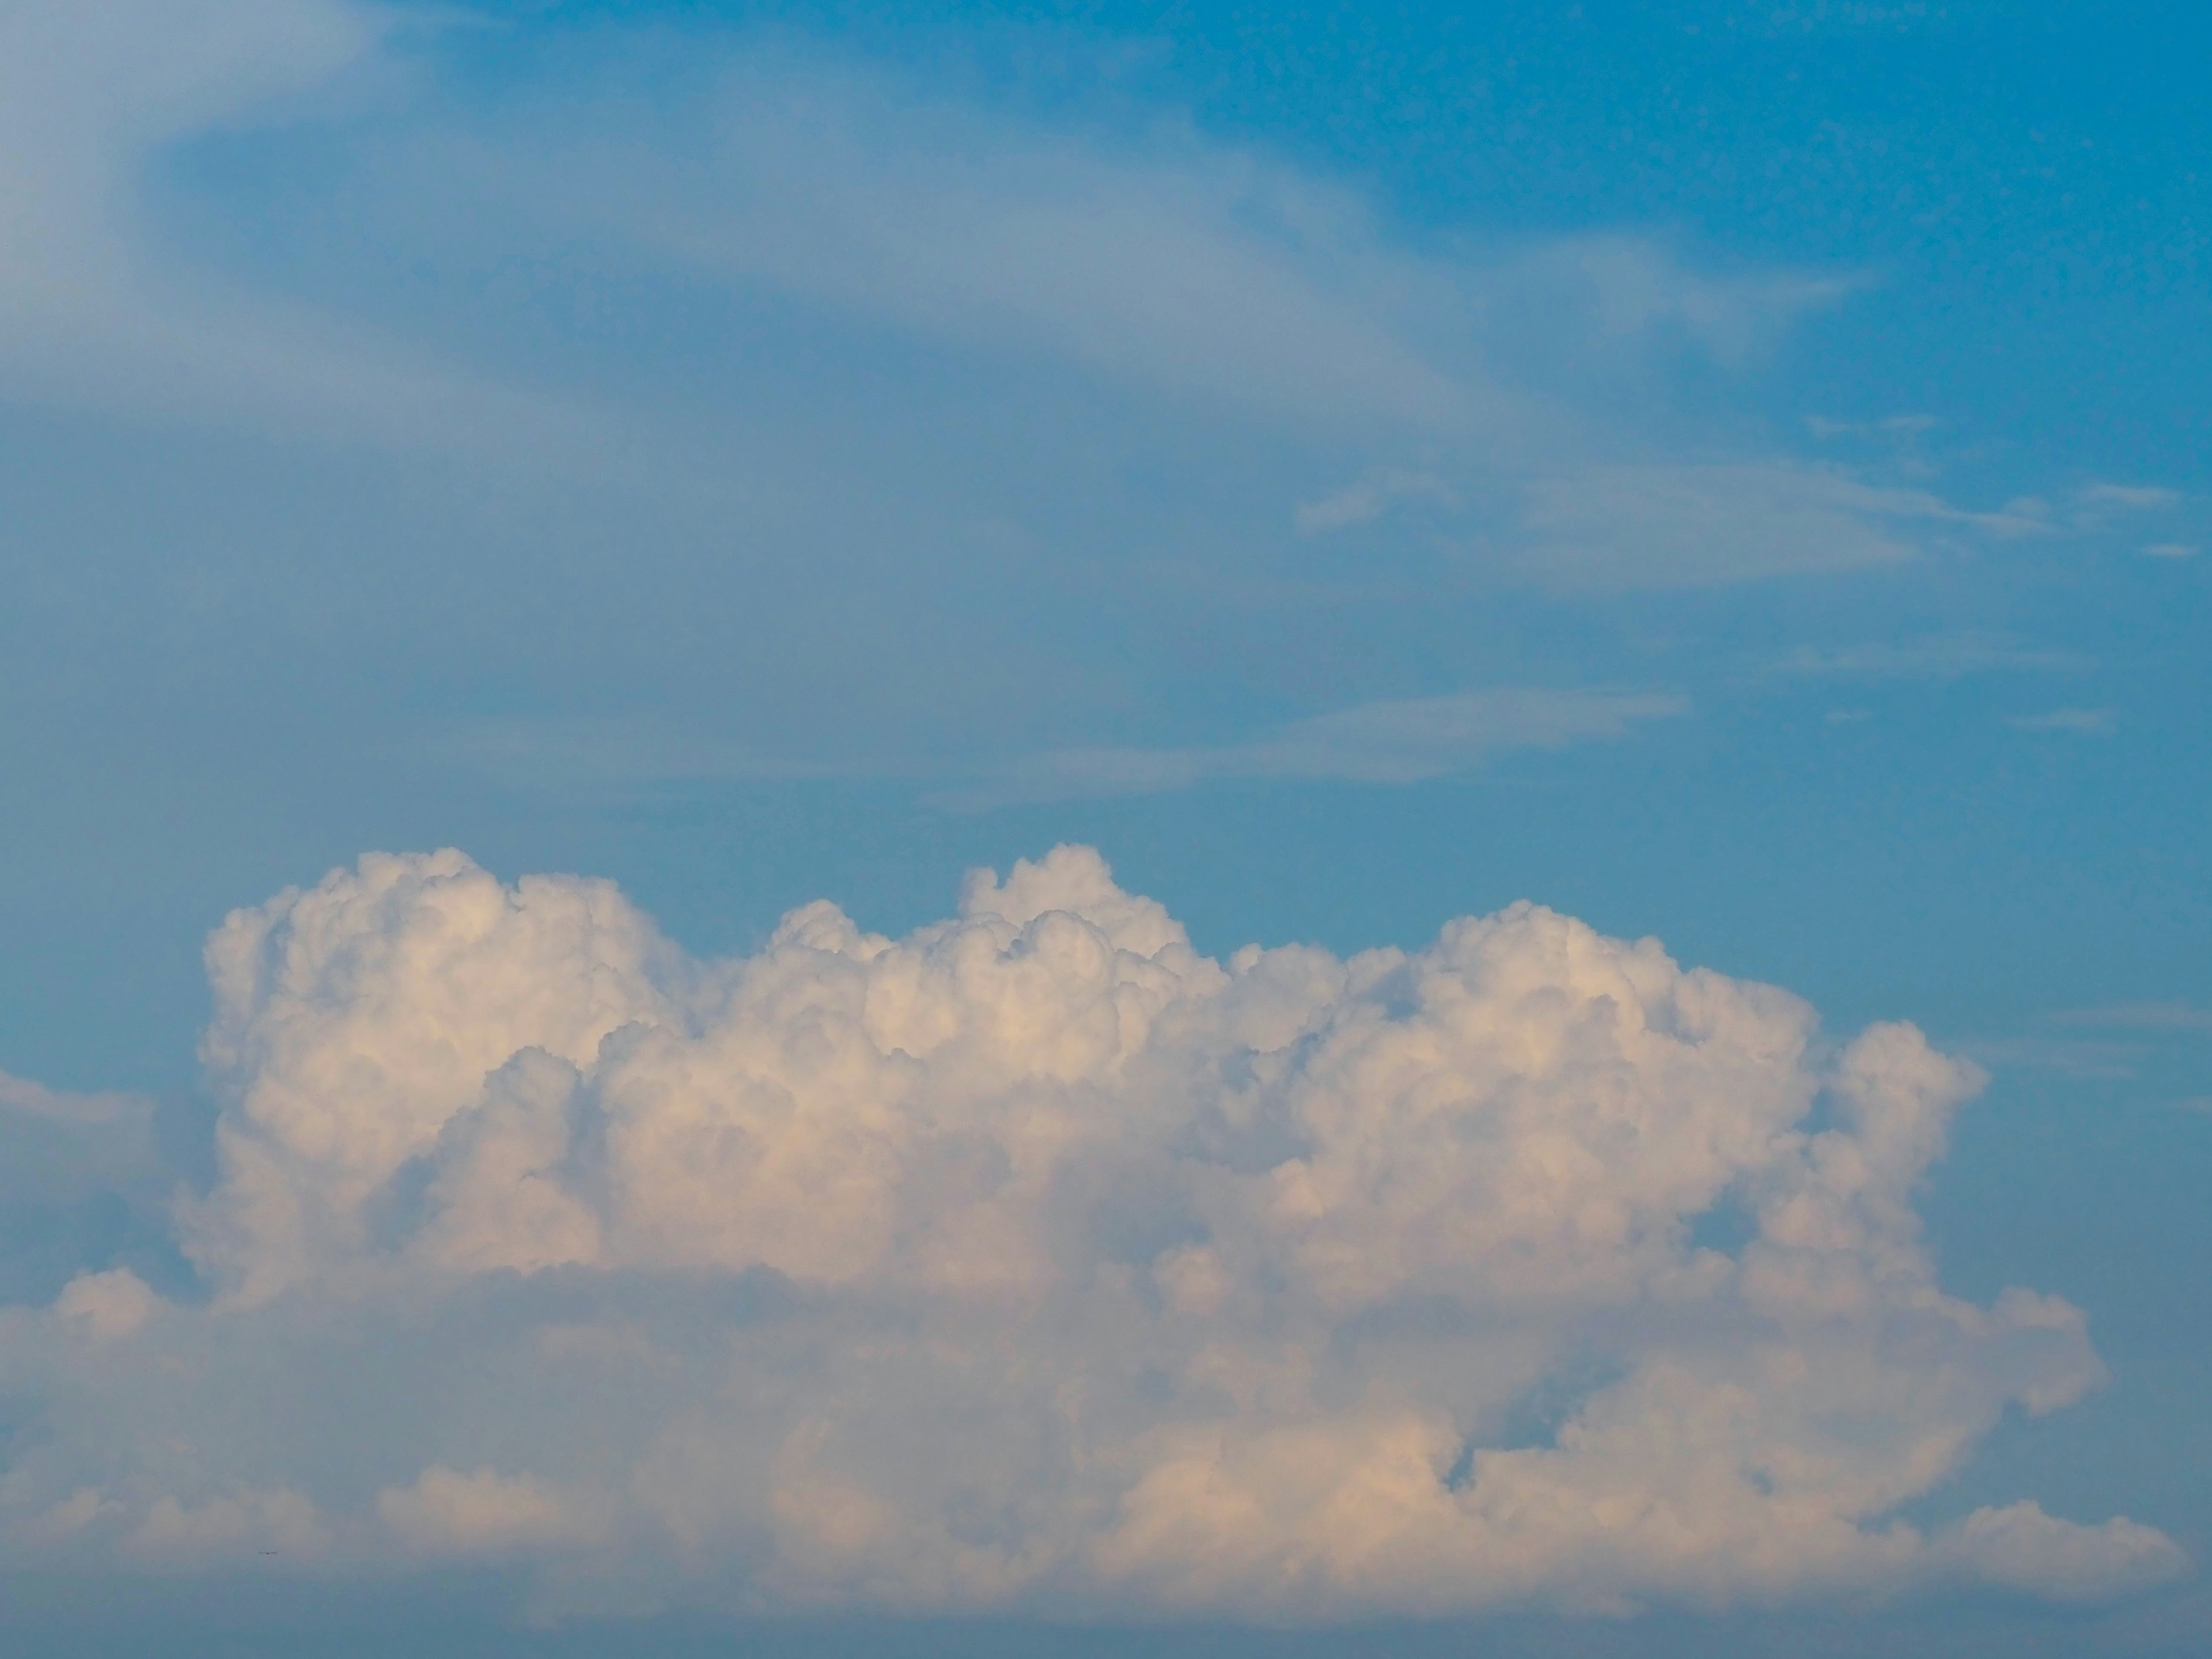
(1104, 829)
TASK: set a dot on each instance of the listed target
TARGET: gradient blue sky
(1728, 472)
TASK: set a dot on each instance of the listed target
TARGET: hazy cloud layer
(96, 313)
(1035, 1261)
(1199, 280)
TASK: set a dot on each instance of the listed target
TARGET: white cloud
(1035, 1261)
(97, 311)
(1937, 656)
(1896, 428)
(611, 756)
(61, 1152)
(1200, 288)
(2142, 1016)
(2080, 1057)
(2081, 722)
(1128, 287)
(231, 1530)
(1399, 742)
(2021, 1548)
(106, 1305)
(1635, 286)
(2101, 498)
(1677, 524)
(2170, 549)
(1369, 498)
(1162, 262)
(483, 1513)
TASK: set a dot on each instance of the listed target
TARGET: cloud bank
(1037, 1262)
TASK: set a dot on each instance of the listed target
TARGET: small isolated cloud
(2020, 1548)
(1935, 656)
(2172, 549)
(1408, 741)
(1035, 1261)
(2081, 722)
(1370, 499)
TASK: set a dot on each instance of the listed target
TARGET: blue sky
(1729, 474)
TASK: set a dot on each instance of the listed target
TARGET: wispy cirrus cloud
(2100, 499)
(1410, 740)
(99, 311)
(1215, 282)
(1701, 524)
(2142, 1016)
(2099, 1058)
(1894, 428)
(1393, 742)
(1930, 656)
(2076, 722)
(1369, 498)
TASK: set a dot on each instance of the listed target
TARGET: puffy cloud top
(1036, 1260)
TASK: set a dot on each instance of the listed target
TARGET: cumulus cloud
(1036, 1260)
(78, 1172)
(483, 1513)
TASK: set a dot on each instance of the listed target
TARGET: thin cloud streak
(2077, 722)
(1412, 740)
(1935, 656)
(2142, 1016)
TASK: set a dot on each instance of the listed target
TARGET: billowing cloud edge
(1037, 1262)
